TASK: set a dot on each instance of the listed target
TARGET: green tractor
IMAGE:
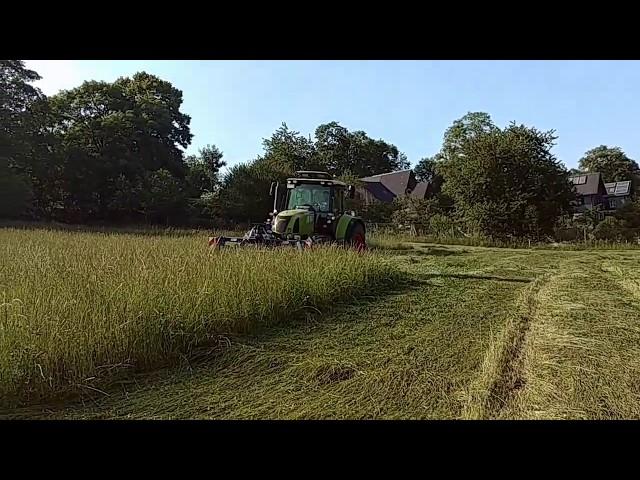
(313, 212)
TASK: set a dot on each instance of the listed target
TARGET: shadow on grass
(215, 354)
(469, 276)
(421, 251)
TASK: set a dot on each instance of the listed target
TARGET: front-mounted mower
(313, 213)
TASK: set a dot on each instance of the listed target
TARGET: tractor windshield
(318, 196)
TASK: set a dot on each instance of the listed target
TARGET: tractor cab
(310, 206)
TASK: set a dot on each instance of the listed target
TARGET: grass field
(77, 309)
(462, 332)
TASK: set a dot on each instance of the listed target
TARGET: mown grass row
(398, 241)
(582, 355)
(573, 354)
(78, 308)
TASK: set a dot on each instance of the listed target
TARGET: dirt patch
(334, 373)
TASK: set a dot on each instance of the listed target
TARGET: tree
(339, 151)
(469, 126)
(289, 150)
(111, 131)
(126, 201)
(162, 198)
(507, 182)
(15, 192)
(629, 218)
(426, 169)
(211, 157)
(17, 99)
(414, 211)
(333, 147)
(611, 162)
(203, 170)
(244, 192)
(26, 142)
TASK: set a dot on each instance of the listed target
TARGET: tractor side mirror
(351, 191)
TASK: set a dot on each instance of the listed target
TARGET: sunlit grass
(76, 308)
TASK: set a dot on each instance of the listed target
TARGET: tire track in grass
(500, 374)
(570, 348)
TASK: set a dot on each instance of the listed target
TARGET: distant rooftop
(588, 183)
(375, 178)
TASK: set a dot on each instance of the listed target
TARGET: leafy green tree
(441, 224)
(244, 193)
(507, 182)
(464, 129)
(611, 162)
(426, 169)
(15, 192)
(333, 145)
(204, 170)
(162, 198)
(109, 130)
(629, 218)
(17, 99)
(26, 139)
(415, 211)
(289, 150)
(339, 151)
(126, 201)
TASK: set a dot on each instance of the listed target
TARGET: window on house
(579, 180)
(613, 203)
(622, 188)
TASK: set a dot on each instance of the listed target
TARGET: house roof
(399, 183)
(379, 191)
(588, 183)
(421, 190)
(618, 189)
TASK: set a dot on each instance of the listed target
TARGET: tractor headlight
(281, 225)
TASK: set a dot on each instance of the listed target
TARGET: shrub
(610, 229)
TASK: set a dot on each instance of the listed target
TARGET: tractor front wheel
(357, 239)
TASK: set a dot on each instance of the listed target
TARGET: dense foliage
(612, 163)
(114, 152)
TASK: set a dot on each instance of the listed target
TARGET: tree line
(114, 152)
(507, 183)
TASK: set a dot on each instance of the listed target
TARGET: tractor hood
(291, 213)
(296, 221)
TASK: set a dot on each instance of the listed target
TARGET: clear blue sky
(235, 104)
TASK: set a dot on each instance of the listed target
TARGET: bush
(15, 194)
(610, 229)
(440, 224)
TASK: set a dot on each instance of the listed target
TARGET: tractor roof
(313, 174)
(307, 176)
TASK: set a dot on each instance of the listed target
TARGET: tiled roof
(588, 183)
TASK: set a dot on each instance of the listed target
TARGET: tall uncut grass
(76, 308)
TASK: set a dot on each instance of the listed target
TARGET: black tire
(357, 238)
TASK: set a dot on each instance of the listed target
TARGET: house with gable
(386, 187)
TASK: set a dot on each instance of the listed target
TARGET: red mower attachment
(214, 242)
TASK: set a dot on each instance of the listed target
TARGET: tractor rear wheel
(357, 238)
